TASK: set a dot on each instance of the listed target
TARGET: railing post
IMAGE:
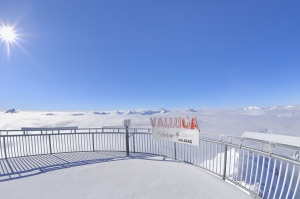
(4, 146)
(127, 141)
(225, 161)
(50, 148)
(133, 141)
(93, 142)
(175, 151)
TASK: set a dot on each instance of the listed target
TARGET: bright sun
(7, 34)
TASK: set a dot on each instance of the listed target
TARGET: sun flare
(7, 34)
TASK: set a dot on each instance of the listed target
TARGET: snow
(279, 139)
(112, 175)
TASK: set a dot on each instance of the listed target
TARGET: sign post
(127, 123)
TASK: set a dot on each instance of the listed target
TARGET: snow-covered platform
(109, 175)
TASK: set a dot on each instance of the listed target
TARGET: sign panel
(176, 129)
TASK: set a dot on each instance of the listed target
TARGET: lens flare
(7, 34)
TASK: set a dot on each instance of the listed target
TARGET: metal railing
(265, 170)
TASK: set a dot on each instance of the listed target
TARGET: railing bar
(9, 149)
(251, 172)
(69, 142)
(29, 145)
(206, 153)
(101, 139)
(285, 175)
(13, 147)
(238, 166)
(79, 139)
(33, 145)
(278, 179)
(96, 141)
(290, 184)
(220, 166)
(202, 154)
(54, 149)
(149, 143)
(240, 160)
(61, 143)
(229, 167)
(248, 156)
(267, 178)
(119, 145)
(261, 176)
(256, 172)
(140, 143)
(116, 146)
(72, 142)
(88, 144)
(274, 167)
(40, 145)
(213, 159)
(36, 144)
(296, 187)
(17, 147)
(242, 172)
(110, 142)
(20, 146)
(216, 157)
(209, 156)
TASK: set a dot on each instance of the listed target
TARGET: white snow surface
(279, 139)
(140, 176)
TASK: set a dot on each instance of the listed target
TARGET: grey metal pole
(4, 146)
(225, 162)
(175, 151)
(50, 144)
(133, 141)
(127, 141)
(93, 142)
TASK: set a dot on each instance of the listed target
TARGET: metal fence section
(265, 170)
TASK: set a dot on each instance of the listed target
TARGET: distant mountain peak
(101, 113)
(191, 110)
(253, 108)
(13, 111)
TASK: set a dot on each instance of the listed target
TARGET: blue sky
(107, 55)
